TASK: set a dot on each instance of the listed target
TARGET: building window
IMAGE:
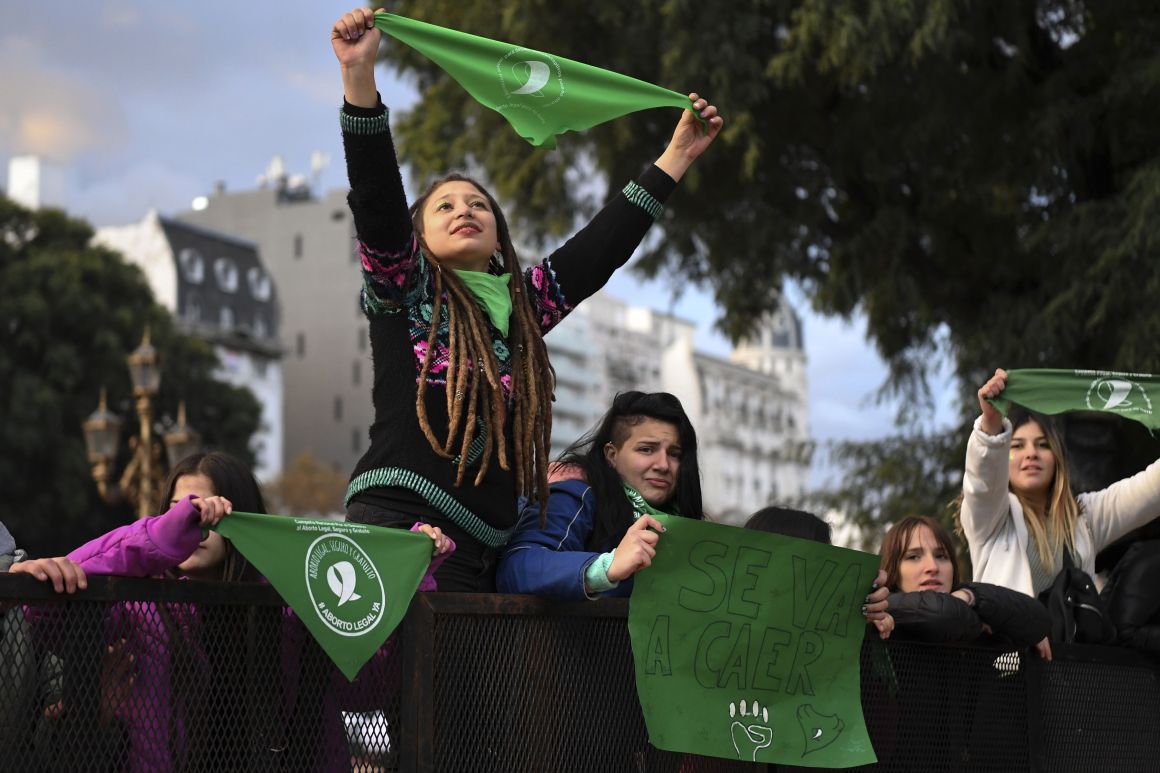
(260, 329)
(356, 373)
(226, 318)
(192, 265)
(338, 409)
(260, 285)
(261, 367)
(297, 245)
(226, 274)
(362, 339)
(193, 308)
(301, 345)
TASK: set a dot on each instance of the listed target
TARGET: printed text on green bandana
(331, 574)
(1058, 391)
(541, 95)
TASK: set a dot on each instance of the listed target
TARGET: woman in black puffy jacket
(1131, 598)
(928, 603)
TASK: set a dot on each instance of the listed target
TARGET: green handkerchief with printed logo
(349, 583)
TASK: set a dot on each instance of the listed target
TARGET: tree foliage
(308, 487)
(70, 314)
(979, 178)
(973, 165)
(888, 479)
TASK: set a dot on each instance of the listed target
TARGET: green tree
(70, 314)
(979, 178)
(309, 487)
(946, 167)
(888, 479)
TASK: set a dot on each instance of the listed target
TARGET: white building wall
(144, 244)
(749, 411)
(263, 377)
(35, 182)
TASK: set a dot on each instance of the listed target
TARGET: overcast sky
(146, 105)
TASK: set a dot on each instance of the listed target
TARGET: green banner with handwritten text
(747, 643)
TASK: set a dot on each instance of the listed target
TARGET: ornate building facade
(750, 410)
(217, 289)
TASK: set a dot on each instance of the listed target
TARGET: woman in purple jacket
(161, 657)
(155, 661)
(171, 543)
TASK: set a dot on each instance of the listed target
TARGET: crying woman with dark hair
(599, 527)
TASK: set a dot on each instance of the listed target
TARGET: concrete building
(307, 243)
(218, 290)
(35, 182)
(750, 409)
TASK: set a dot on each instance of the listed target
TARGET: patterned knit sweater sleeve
(387, 248)
(584, 263)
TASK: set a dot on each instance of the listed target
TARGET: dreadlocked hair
(475, 400)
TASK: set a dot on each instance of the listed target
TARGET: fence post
(415, 736)
(1033, 667)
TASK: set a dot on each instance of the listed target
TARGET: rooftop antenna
(318, 162)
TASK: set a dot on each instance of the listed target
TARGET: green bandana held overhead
(540, 94)
(492, 294)
(1058, 391)
(328, 572)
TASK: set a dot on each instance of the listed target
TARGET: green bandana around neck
(492, 293)
(640, 504)
(541, 95)
(1052, 391)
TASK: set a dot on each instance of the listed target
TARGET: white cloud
(46, 113)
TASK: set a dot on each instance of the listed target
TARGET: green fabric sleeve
(596, 575)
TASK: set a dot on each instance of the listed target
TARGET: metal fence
(153, 675)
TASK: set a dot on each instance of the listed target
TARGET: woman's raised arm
(356, 44)
(690, 139)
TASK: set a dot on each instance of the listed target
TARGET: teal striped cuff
(643, 199)
(596, 575)
(436, 497)
(362, 124)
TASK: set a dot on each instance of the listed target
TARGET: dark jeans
(470, 569)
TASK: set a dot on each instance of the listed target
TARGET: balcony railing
(170, 675)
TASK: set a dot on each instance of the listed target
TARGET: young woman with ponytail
(462, 383)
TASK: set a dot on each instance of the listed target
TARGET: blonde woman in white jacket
(1018, 513)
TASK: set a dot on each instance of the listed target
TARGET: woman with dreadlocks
(463, 387)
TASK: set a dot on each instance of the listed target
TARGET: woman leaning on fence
(928, 603)
(462, 384)
(175, 675)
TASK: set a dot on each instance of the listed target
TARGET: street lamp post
(142, 476)
(182, 440)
